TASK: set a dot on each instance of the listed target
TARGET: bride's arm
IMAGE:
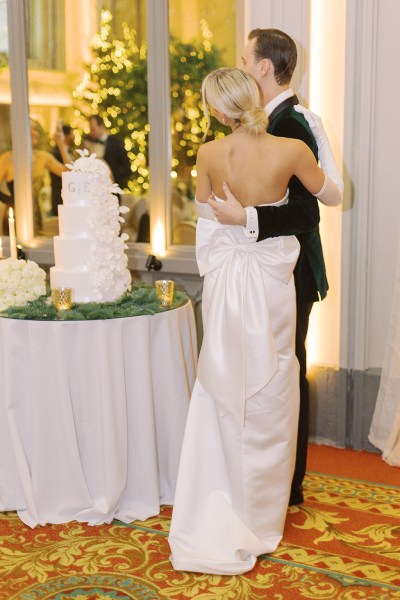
(313, 178)
(325, 155)
(203, 183)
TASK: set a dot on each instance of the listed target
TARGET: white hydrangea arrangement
(20, 282)
(109, 263)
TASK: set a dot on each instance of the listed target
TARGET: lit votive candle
(165, 291)
(62, 297)
(11, 229)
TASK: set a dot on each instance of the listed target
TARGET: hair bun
(254, 120)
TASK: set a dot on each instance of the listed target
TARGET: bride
(240, 440)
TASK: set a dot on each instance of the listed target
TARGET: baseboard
(342, 404)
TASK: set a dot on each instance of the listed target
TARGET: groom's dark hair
(279, 48)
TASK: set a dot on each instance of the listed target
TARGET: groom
(270, 56)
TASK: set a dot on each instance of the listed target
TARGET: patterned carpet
(342, 543)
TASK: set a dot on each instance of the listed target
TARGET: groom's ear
(266, 67)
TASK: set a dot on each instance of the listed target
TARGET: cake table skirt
(92, 415)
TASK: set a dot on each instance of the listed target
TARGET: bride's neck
(236, 127)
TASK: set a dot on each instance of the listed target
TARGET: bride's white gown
(239, 446)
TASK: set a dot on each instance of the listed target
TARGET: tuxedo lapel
(282, 106)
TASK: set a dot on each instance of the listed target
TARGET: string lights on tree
(115, 86)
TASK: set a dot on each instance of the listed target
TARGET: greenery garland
(141, 300)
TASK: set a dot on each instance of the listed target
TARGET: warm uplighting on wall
(326, 94)
(158, 239)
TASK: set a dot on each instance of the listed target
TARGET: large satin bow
(238, 356)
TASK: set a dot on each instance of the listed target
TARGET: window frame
(176, 258)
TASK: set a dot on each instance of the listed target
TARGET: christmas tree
(115, 86)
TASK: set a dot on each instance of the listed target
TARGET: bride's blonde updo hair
(235, 94)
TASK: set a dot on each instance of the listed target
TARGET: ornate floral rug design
(342, 543)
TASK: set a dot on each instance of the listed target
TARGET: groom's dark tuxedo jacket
(300, 216)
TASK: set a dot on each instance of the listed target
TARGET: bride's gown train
(239, 446)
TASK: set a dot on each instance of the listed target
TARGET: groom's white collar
(277, 100)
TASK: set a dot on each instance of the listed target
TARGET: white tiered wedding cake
(89, 253)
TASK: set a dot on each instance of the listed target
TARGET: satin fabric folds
(239, 446)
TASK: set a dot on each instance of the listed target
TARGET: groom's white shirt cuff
(251, 229)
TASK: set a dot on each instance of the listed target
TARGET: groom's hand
(230, 212)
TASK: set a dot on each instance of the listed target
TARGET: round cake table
(92, 415)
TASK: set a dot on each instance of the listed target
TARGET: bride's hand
(230, 212)
(314, 121)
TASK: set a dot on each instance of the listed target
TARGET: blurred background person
(42, 162)
(110, 148)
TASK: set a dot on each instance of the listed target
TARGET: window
(109, 36)
(202, 38)
(93, 58)
(45, 33)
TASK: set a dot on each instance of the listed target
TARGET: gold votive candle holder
(165, 291)
(62, 297)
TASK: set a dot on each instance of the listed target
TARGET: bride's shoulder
(209, 148)
(211, 144)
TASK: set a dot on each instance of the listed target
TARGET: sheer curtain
(385, 426)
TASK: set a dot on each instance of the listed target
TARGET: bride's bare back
(257, 168)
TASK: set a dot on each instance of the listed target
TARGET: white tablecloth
(92, 415)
